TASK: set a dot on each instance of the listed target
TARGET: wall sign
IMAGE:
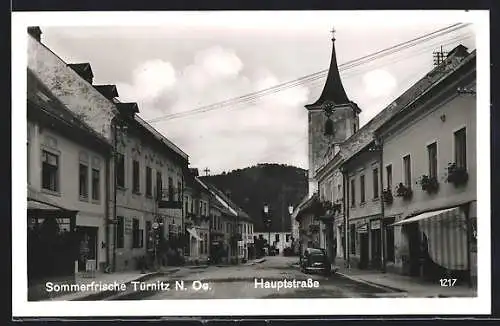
(128, 225)
(375, 225)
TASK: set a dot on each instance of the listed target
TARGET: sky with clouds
(183, 65)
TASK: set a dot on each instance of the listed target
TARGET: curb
(373, 284)
(104, 294)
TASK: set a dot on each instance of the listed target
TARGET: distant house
(237, 227)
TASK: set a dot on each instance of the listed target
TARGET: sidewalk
(406, 285)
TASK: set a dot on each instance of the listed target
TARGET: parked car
(315, 260)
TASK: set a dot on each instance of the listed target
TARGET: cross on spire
(333, 33)
(207, 171)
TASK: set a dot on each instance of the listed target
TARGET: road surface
(277, 277)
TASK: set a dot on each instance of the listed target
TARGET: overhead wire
(410, 79)
(316, 76)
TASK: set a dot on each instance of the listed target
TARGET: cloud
(149, 80)
(379, 83)
(237, 135)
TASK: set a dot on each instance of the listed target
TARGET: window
(407, 171)
(120, 170)
(362, 188)
(136, 180)
(432, 155)
(179, 191)
(339, 191)
(137, 239)
(206, 243)
(461, 148)
(186, 203)
(50, 171)
(159, 185)
(170, 189)
(288, 238)
(120, 232)
(353, 193)
(149, 181)
(277, 237)
(353, 238)
(96, 184)
(388, 170)
(84, 181)
(375, 183)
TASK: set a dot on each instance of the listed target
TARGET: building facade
(197, 219)
(67, 168)
(85, 106)
(429, 161)
(149, 186)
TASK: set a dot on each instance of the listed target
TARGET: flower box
(403, 191)
(429, 184)
(457, 175)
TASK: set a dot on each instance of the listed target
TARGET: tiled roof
(44, 99)
(239, 211)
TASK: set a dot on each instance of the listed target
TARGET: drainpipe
(469, 239)
(346, 216)
(383, 246)
(107, 207)
(115, 183)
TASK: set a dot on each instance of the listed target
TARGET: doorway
(376, 248)
(87, 239)
(364, 247)
(414, 246)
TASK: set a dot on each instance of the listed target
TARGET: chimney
(36, 32)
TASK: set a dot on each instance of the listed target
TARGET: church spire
(333, 91)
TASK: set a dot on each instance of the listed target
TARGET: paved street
(239, 282)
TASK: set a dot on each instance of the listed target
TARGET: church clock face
(328, 108)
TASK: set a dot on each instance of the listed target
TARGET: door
(363, 239)
(87, 239)
(376, 248)
(414, 244)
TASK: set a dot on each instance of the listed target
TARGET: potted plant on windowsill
(403, 191)
(387, 196)
(457, 175)
(429, 184)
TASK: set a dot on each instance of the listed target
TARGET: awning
(192, 232)
(423, 216)
(362, 228)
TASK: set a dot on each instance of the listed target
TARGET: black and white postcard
(180, 161)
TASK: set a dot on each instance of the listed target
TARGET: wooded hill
(278, 185)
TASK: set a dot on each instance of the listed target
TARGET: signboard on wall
(375, 225)
(128, 225)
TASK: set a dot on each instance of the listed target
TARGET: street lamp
(267, 222)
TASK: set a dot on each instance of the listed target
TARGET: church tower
(331, 120)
